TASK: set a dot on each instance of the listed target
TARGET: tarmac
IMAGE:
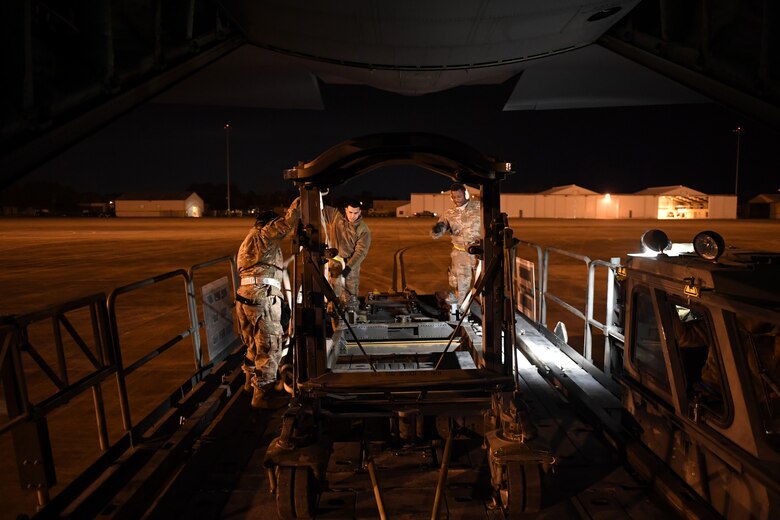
(50, 261)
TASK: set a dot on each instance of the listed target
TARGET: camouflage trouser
(461, 273)
(346, 289)
(261, 330)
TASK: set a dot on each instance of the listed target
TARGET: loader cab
(701, 367)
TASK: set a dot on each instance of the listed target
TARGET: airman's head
(459, 194)
(352, 210)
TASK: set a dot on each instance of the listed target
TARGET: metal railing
(122, 371)
(543, 294)
(609, 329)
(26, 421)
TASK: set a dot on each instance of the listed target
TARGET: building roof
(765, 198)
(568, 189)
(671, 190)
(182, 195)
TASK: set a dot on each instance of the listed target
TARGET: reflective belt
(256, 280)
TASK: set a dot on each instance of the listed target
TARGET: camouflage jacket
(464, 224)
(260, 254)
(352, 239)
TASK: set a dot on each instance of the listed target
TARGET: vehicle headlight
(655, 240)
(709, 245)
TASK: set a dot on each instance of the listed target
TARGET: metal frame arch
(351, 158)
(437, 153)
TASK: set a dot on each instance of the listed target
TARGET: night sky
(167, 147)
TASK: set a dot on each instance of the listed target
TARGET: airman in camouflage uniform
(464, 222)
(349, 234)
(259, 299)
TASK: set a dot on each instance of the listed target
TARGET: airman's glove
(438, 228)
(345, 272)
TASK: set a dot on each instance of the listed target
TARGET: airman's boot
(249, 372)
(261, 398)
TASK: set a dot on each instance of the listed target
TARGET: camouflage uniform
(259, 298)
(352, 239)
(465, 224)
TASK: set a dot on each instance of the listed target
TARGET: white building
(766, 205)
(430, 204)
(186, 204)
(572, 201)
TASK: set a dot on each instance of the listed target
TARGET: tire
(296, 492)
(285, 504)
(305, 495)
(523, 492)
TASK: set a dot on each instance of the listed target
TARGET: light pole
(738, 130)
(227, 163)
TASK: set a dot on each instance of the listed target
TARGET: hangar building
(185, 204)
(766, 205)
(572, 201)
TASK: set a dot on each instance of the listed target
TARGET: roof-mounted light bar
(708, 245)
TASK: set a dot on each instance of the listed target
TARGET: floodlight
(709, 245)
(655, 240)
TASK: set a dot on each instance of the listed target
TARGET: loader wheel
(523, 492)
(296, 492)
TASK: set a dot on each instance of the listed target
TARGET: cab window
(647, 353)
(692, 333)
(760, 340)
